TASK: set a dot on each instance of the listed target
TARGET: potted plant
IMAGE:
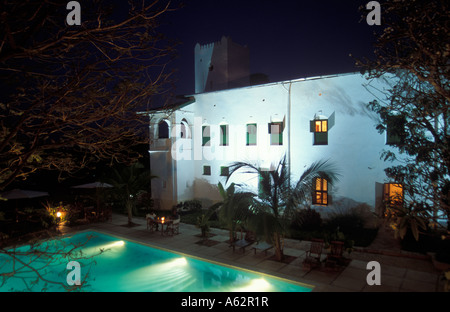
(203, 224)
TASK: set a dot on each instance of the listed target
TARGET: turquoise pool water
(126, 266)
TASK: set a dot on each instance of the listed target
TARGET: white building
(305, 119)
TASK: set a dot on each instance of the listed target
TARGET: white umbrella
(93, 185)
(20, 194)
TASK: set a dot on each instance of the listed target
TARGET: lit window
(320, 129)
(276, 133)
(395, 130)
(224, 171)
(206, 136)
(393, 194)
(320, 125)
(320, 194)
(207, 170)
(163, 130)
(224, 135)
(251, 134)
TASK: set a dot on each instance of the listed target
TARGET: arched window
(163, 130)
(185, 131)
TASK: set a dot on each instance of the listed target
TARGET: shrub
(352, 223)
(307, 220)
(192, 205)
(345, 223)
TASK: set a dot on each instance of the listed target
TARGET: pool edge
(118, 236)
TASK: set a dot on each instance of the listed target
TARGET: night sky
(287, 39)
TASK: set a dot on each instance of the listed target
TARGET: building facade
(305, 120)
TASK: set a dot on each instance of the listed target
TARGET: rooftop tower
(221, 65)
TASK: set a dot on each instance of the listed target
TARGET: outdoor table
(262, 247)
(160, 221)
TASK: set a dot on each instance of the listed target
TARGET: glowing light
(179, 261)
(119, 243)
(166, 276)
(162, 220)
(58, 214)
(258, 284)
(111, 245)
(114, 246)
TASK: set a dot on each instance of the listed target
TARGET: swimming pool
(127, 266)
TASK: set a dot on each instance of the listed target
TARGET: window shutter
(330, 197)
(223, 135)
(206, 138)
(312, 127)
(251, 134)
(331, 121)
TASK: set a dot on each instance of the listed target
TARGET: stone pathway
(385, 240)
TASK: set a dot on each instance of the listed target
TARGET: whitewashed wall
(354, 145)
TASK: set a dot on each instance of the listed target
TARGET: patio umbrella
(93, 185)
(21, 194)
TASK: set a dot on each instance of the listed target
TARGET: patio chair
(335, 257)
(314, 254)
(151, 223)
(174, 227)
(243, 242)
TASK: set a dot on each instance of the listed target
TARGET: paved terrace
(400, 272)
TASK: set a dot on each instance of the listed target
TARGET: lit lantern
(58, 214)
(162, 220)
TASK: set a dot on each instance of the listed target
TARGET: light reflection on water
(129, 266)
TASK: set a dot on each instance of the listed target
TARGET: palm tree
(278, 198)
(127, 182)
(233, 209)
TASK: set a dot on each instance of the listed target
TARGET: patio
(407, 273)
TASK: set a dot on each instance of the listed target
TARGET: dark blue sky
(287, 39)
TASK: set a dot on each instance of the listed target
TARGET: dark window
(224, 171)
(163, 130)
(207, 170)
(320, 194)
(184, 131)
(276, 133)
(264, 173)
(251, 134)
(395, 130)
